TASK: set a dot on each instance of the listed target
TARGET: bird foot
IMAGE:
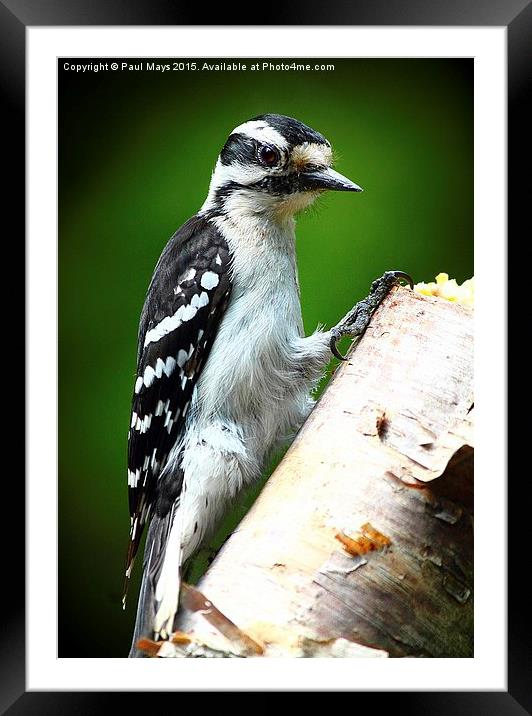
(357, 320)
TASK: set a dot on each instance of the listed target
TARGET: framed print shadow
(133, 165)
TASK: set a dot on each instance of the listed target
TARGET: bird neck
(261, 247)
(258, 232)
(267, 218)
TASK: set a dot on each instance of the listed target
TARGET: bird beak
(327, 178)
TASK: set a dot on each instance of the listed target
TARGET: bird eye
(269, 155)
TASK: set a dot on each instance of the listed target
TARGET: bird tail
(159, 590)
(154, 552)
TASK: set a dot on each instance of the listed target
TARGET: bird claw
(357, 320)
(332, 345)
(390, 279)
(402, 276)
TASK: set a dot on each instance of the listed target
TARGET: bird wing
(185, 303)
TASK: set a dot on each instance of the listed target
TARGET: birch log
(354, 548)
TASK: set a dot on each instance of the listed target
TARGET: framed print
(126, 111)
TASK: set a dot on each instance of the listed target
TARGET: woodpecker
(224, 370)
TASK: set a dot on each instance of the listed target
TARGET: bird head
(273, 166)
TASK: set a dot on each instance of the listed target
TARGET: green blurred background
(136, 150)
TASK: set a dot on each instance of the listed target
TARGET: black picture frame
(15, 16)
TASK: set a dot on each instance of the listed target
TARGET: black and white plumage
(224, 371)
(186, 299)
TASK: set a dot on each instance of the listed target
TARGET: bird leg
(354, 323)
